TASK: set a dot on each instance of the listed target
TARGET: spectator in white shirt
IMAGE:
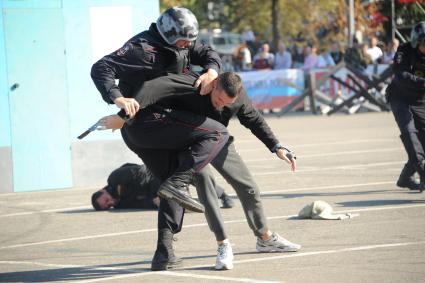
(374, 51)
(243, 61)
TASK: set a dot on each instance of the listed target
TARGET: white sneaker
(224, 257)
(276, 244)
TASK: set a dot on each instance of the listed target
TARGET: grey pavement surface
(351, 162)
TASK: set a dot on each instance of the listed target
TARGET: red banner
(410, 1)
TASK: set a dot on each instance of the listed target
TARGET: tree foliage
(314, 21)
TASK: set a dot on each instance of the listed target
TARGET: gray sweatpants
(231, 166)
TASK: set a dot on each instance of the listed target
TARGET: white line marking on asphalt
(343, 167)
(326, 187)
(360, 248)
(47, 211)
(79, 238)
(136, 273)
(39, 263)
(331, 154)
(237, 141)
(53, 191)
(194, 226)
(262, 193)
(293, 146)
(178, 274)
(302, 254)
(210, 277)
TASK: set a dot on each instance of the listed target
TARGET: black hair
(231, 83)
(94, 198)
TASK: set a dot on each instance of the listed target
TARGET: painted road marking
(194, 226)
(177, 273)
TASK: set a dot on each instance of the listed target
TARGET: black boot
(164, 257)
(176, 188)
(406, 179)
(226, 201)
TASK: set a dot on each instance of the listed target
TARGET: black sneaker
(179, 194)
(226, 201)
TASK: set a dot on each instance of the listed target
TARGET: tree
(304, 21)
(407, 14)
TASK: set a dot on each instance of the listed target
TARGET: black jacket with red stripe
(177, 92)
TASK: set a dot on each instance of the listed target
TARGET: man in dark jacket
(133, 186)
(169, 46)
(177, 92)
(406, 95)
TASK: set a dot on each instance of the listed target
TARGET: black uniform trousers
(170, 142)
(410, 118)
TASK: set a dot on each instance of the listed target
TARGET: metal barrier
(368, 92)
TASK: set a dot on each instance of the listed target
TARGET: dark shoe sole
(159, 266)
(410, 185)
(183, 200)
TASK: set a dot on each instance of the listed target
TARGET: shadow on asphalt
(378, 202)
(71, 273)
(86, 210)
(300, 195)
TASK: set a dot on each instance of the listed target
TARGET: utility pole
(393, 27)
(275, 23)
(350, 20)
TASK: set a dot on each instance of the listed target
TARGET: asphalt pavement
(350, 161)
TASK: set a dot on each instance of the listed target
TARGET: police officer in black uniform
(129, 186)
(168, 46)
(406, 95)
(133, 186)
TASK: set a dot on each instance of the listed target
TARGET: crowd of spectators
(252, 56)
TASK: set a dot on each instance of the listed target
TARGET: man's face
(219, 97)
(182, 44)
(106, 201)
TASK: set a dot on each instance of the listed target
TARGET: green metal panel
(35, 56)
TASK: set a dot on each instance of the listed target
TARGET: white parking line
(46, 211)
(52, 191)
(243, 150)
(353, 249)
(326, 154)
(194, 226)
(221, 278)
(326, 187)
(292, 146)
(179, 274)
(135, 273)
(39, 264)
(340, 167)
(263, 193)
